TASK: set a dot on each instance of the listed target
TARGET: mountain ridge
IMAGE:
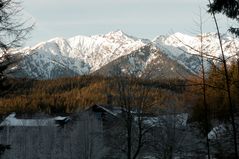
(80, 55)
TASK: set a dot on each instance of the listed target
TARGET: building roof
(11, 120)
(180, 119)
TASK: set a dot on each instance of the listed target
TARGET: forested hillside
(68, 95)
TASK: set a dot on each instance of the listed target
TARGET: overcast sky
(140, 18)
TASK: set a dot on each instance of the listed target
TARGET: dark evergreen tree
(230, 8)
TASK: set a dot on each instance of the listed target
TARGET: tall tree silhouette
(230, 8)
(232, 108)
(13, 31)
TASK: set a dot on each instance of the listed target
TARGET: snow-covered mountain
(186, 49)
(164, 56)
(77, 55)
(147, 62)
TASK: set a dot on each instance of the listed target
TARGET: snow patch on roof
(11, 120)
(180, 120)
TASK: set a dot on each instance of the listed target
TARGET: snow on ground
(216, 132)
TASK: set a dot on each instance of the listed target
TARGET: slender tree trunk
(204, 89)
(129, 133)
(228, 87)
(206, 116)
(140, 135)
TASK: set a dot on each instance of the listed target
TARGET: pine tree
(230, 8)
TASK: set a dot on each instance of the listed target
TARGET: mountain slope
(165, 56)
(186, 49)
(147, 62)
(75, 56)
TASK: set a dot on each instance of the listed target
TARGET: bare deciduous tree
(134, 100)
(232, 108)
(13, 31)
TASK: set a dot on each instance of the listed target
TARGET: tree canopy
(13, 31)
(230, 8)
(13, 28)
